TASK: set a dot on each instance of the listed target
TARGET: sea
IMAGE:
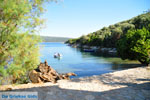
(81, 63)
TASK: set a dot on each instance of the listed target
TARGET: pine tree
(19, 50)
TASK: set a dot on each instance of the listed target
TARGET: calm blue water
(73, 60)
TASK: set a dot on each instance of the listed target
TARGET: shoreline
(53, 42)
(122, 85)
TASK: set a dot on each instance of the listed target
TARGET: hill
(108, 36)
(54, 39)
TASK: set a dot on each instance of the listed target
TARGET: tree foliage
(129, 37)
(19, 21)
(135, 45)
(108, 36)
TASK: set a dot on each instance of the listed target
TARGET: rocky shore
(131, 84)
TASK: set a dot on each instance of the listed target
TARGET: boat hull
(89, 50)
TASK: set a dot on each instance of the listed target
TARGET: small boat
(57, 55)
(88, 50)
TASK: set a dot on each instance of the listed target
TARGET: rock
(35, 76)
(67, 75)
(45, 73)
(89, 97)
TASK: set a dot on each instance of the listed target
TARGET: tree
(19, 21)
(142, 20)
(84, 40)
(108, 36)
(135, 45)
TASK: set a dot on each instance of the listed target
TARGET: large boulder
(35, 76)
(45, 73)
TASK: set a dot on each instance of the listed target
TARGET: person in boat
(58, 54)
(55, 55)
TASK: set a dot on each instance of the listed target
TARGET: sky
(74, 18)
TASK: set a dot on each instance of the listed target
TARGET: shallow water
(81, 63)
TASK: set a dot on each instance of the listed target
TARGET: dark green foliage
(141, 21)
(71, 41)
(129, 37)
(135, 45)
(108, 36)
(84, 40)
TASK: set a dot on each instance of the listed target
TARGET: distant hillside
(108, 36)
(54, 39)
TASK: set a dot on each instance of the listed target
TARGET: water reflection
(115, 62)
(124, 66)
(82, 63)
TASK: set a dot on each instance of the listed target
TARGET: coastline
(124, 85)
(53, 42)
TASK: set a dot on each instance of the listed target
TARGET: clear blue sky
(74, 18)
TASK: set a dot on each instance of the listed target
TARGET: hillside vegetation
(54, 39)
(130, 37)
(108, 36)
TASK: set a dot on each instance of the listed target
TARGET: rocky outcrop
(45, 73)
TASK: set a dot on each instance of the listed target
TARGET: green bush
(108, 36)
(19, 51)
(135, 45)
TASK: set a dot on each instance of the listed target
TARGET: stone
(45, 73)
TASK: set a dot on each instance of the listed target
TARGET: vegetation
(135, 45)
(131, 38)
(108, 36)
(19, 20)
(54, 39)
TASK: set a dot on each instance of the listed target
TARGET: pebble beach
(130, 84)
